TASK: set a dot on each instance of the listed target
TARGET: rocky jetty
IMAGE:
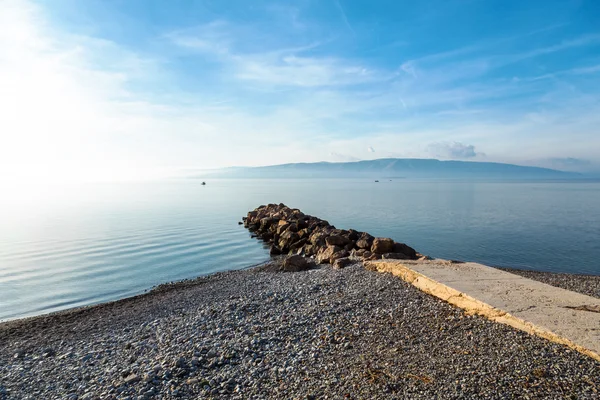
(290, 231)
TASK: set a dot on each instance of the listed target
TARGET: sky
(132, 89)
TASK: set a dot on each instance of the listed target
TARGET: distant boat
(204, 183)
(376, 181)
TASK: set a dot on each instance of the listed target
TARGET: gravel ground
(316, 334)
(584, 284)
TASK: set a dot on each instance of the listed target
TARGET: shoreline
(579, 283)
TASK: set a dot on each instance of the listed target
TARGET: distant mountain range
(394, 168)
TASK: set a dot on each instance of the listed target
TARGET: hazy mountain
(394, 168)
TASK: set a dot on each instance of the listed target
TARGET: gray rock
(132, 378)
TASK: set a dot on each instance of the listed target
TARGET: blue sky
(107, 88)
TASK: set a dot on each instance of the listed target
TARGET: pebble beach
(260, 334)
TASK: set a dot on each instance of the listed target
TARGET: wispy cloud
(338, 4)
(279, 66)
(581, 41)
(574, 71)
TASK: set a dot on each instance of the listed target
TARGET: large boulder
(293, 227)
(295, 263)
(265, 223)
(287, 238)
(382, 245)
(282, 227)
(336, 240)
(302, 223)
(365, 241)
(317, 238)
(298, 244)
(266, 236)
(304, 233)
(404, 249)
(325, 254)
(341, 263)
(309, 249)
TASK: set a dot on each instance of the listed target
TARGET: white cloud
(280, 66)
(452, 150)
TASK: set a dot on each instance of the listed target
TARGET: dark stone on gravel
(341, 263)
(295, 263)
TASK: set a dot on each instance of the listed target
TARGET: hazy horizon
(112, 90)
(244, 171)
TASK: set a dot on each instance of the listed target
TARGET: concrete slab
(532, 306)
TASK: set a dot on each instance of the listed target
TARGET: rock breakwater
(290, 231)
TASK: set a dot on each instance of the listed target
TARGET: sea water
(72, 245)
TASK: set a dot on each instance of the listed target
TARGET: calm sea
(68, 246)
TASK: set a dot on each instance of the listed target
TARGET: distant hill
(394, 168)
